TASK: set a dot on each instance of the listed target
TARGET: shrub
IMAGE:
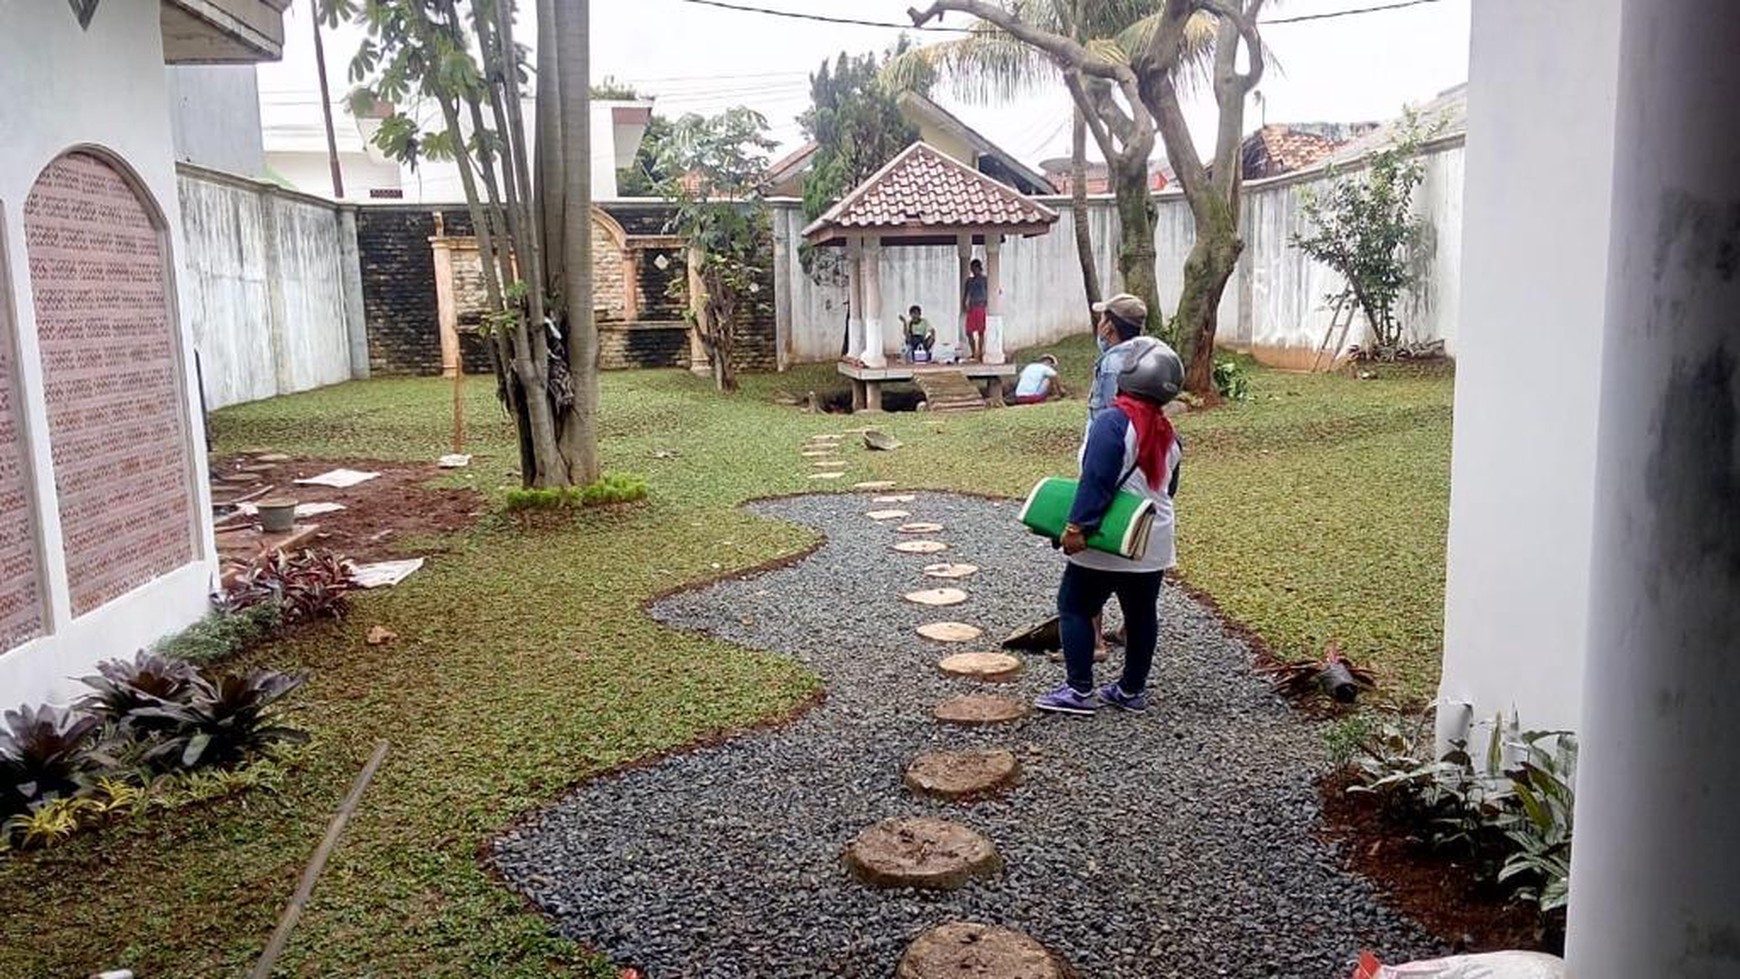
(221, 723)
(610, 489)
(44, 754)
(1231, 380)
(1539, 825)
(304, 586)
(1517, 820)
(224, 632)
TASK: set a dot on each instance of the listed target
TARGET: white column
(1534, 253)
(964, 254)
(874, 355)
(854, 297)
(994, 312)
(1656, 877)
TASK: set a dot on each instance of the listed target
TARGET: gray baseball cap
(1126, 308)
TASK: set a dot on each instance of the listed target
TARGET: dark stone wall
(398, 277)
(399, 306)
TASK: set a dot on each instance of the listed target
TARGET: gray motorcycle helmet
(1151, 370)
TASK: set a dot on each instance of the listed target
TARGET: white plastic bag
(1493, 965)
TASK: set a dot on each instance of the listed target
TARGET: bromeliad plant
(121, 688)
(224, 722)
(106, 757)
(45, 753)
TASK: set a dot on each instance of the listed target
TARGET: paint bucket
(277, 515)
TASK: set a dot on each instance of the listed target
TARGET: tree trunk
(548, 151)
(1212, 261)
(1084, 239)
(573, 68)
(1136, 237)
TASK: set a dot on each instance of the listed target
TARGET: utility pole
(326, 103)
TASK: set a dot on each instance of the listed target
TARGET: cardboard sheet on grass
(338, 478)
(383, 574)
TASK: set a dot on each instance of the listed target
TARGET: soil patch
(1441, 891)
(378, 515)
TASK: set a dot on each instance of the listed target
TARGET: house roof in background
(920, 107)
(1285, 147)
(789, 166)
(924, 192)
(1444, 116)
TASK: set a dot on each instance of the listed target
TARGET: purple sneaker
(1065, 700)
(1115, 696)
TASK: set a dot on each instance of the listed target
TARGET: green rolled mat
(1123, 531)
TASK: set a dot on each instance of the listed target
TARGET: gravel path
(1180, 843)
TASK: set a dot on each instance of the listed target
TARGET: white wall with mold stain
(1275, 306)
(265, 291)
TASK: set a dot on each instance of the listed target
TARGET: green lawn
(1315, 511)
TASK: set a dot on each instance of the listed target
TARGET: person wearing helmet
(1119, 320)
(1130, 447)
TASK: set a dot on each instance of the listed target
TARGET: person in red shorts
(975, 302)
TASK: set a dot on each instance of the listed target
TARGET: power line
(1301, 18)
(940, 29)
(824, 18)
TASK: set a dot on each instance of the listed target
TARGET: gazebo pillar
(854, 297)
(994, 311)
(964, 253)
(871, 277)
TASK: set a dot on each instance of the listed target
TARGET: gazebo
(922, 197)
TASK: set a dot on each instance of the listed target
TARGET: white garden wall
(266, 287)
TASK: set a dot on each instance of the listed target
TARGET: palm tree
(991, 64)
(574, 90)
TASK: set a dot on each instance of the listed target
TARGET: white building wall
(1535, 247)
(215, 117)
(265, 288)
(66, 88)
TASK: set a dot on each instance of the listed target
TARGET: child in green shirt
(919, 333)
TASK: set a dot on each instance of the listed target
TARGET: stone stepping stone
(967, 950)
(828, 475)
(979, 710)
(896, 498)
(936, 596)
(988, 667)
(962, 774)
(272, 457)
(921, 851)
(830, 464)
(950, 631)
(826, 437)
(875, 484)
(887, 514)
(919, 527)
(952, 571)
(819, 453)
(918, 546)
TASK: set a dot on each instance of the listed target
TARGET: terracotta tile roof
(923, 191)
(1274, 150)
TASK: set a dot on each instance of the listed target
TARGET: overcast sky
(695, 58)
